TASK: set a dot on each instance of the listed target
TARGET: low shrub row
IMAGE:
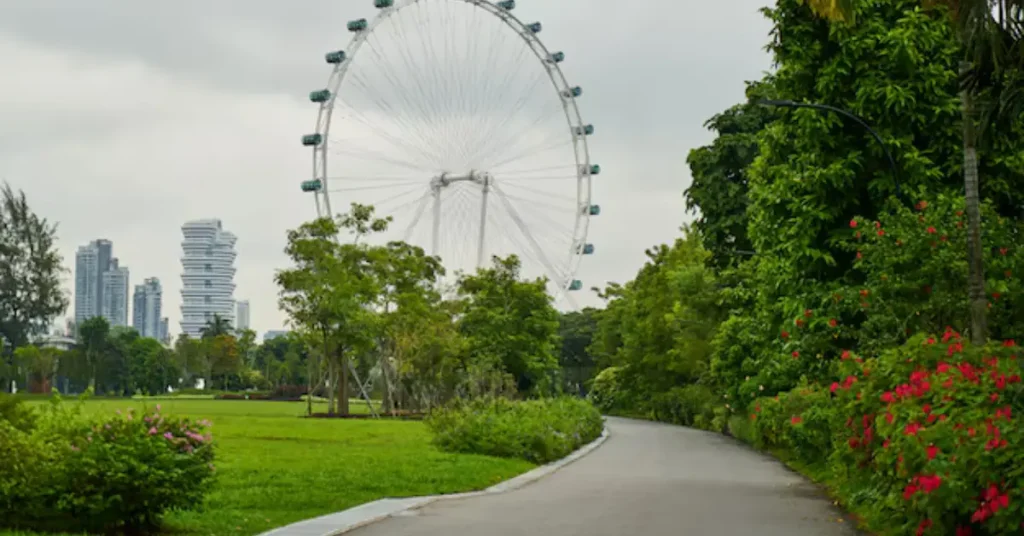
(539, 431)
(924, 439)
(66, 471)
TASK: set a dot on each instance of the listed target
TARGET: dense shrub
(16, 413)
(72, 472)
(539, 431)
(922, 440)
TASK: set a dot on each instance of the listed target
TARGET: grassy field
(275, 468)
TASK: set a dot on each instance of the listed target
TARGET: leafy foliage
(30, 272)
(539, 431)
(70, 472)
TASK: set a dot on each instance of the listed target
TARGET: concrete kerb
(371, 512)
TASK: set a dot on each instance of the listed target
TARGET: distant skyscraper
(115, 294)
(91, 262)
(242, 315)
(148, 306)
(208, 274)
(165, 333)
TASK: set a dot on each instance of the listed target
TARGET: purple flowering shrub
(117, 473)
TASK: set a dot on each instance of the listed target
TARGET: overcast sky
(122, 120)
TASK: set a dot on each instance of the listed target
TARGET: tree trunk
(975, 261)
(343, 409)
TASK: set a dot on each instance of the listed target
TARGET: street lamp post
(849, 115)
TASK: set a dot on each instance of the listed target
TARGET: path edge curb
(374, 511)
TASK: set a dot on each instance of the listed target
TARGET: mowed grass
(276, 468)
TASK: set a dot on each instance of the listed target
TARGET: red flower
(1002, 251)
(932, 451)
(808, 313)
(909, 491)
(785, 334)
(859, 255)
(929, 483)
(948, 384)
(845, 355)
(964, 531)
(889, 417)
(996, 296)
(796, 354)
(925, 525)
(850, 380)
(881, 232)
(1009, 343)
(930, 340)
(955, 348)
(1008, 274)
(864, 292)
(832, 322)
(799, 322)
(912, 429)
(885, 444)
(994, 397)
(854, 442)
(1004, 413)
(835, 385)
(932, 418)
(853, 224)
(921, 205)
(931, 230)
(927, 408)
(942, 368)
(887, 397)
(796, 420)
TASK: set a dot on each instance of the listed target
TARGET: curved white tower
(208, 275)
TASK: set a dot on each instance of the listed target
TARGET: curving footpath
(647, 478)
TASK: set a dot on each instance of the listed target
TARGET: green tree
(719, 186)
(189, 358)
(215, 327)
(223, 358)
(329, 290)
(153, 367)
(576, 330)
(513, 322)
(30, 271)
(38, 366)
(408, 294)
(93, 339)
(991, 74)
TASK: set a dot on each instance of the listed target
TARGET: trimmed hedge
(923, 440)
(539, 431)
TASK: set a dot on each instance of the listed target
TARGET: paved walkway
(648, 479)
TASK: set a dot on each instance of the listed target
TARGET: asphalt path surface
(647, 479)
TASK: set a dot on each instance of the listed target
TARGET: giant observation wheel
(453, 118)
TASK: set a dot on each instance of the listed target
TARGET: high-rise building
(242, 315)
(208, 275)
(148, 306)
(91, 262)
(115, 294)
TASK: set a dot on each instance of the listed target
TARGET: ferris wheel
(453, 118)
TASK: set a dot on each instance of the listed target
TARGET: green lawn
(275, 468)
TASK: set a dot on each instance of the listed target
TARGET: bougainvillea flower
(853, 224)
(785, 334)
(932, 451)
(925, 525)
(931, 230)
(912, 429)
(796, 354)
(888, 397)
(835, 385)
(832, 322)
(796, 420)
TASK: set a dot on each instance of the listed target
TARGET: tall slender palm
(992, 33)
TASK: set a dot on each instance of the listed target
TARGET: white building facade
(242, 315)
(148, 307)
(208, 275)
(115, 294)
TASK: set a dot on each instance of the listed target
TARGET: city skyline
(100, 151)
(145, 310)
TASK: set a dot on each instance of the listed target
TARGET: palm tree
(216, 326)
(992, 34)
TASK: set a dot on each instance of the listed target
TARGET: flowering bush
(71, 472)
(924, 439)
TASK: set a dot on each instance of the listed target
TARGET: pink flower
(168, 435)
(152, 431)
(158, 408)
